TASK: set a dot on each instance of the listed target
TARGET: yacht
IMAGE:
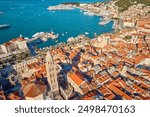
(4, 26)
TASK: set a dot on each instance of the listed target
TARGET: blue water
(27, 17)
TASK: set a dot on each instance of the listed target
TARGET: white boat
(63, 34)
(4, 26)
(26, 38)
(86, 33)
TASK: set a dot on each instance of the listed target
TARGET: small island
(60, 7)
(64, 6)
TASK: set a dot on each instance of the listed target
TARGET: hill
(125, 4)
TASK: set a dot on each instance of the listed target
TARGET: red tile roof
(33, 90)
(76, 78)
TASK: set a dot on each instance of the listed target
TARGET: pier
(43, 36)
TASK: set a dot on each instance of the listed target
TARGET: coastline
(82, 7)
(51, 23)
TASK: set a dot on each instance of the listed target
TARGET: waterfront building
(3, 49)
(14, 45)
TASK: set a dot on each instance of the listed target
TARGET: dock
(44, 36)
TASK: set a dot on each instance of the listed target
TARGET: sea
(27, 17)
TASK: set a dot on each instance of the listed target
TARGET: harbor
(74, 22)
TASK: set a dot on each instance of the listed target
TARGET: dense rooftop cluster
(111, 66)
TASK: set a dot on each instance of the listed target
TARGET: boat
(62, 34)
(86, 33)
(4, 26)
(26, 38)
(88, 13)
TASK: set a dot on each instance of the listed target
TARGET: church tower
(52, 75)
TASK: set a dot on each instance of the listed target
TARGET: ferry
(4, 26)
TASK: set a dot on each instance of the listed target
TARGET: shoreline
(69, 6)
(73, 7)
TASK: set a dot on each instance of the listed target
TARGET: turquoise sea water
(27, 17)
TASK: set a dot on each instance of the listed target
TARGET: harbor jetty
(105, 21)
(44, 36)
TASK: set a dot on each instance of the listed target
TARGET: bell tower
(52, 75)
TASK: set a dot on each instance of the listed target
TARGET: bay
(27, 17)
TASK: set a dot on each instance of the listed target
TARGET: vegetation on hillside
(72, 3)
(125, 4)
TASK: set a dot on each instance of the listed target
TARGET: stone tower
(52, 75)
